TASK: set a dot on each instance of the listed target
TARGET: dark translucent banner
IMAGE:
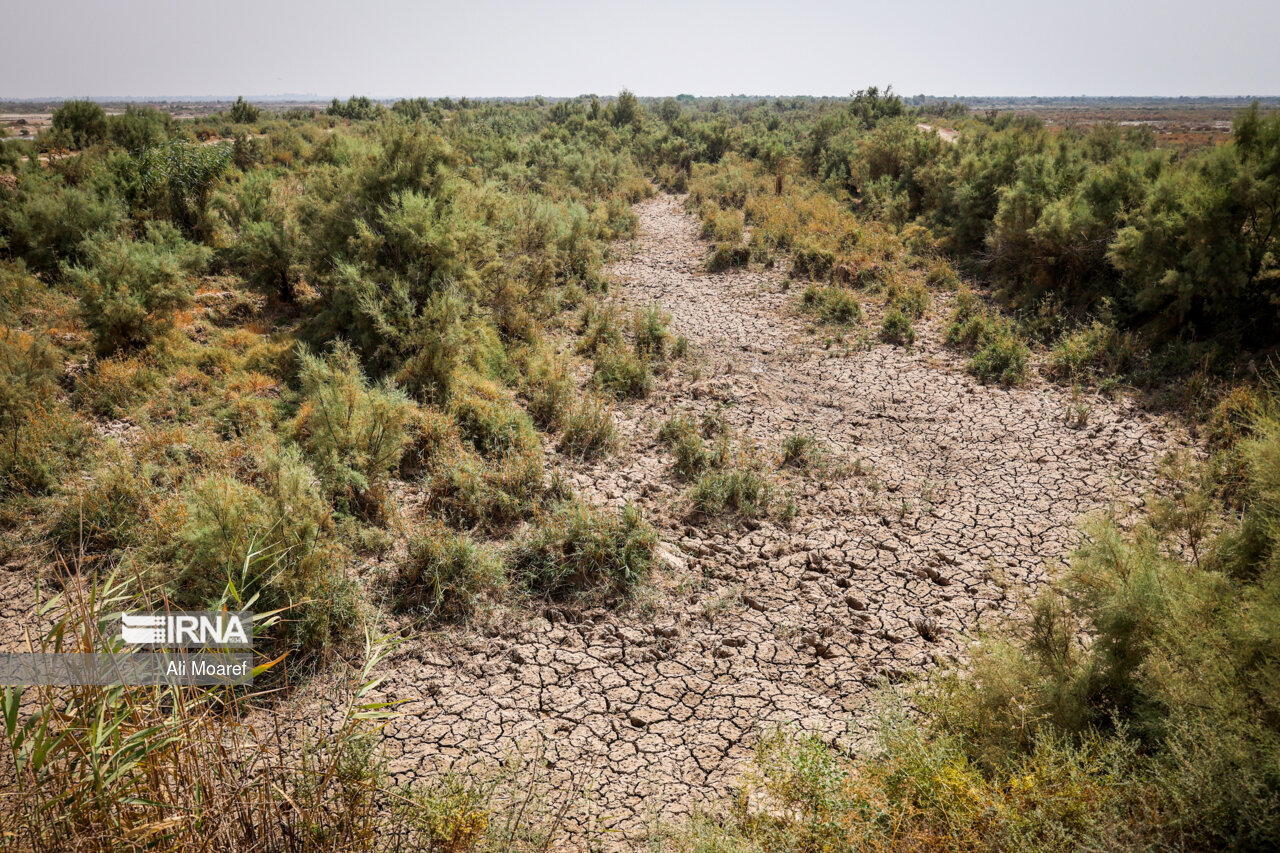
(127, 669)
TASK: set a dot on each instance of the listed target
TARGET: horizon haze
(150, 49)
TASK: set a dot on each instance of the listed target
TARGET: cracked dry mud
(972, 493)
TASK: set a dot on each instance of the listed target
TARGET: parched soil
(968, 495)
(946, 133)
(947, 502)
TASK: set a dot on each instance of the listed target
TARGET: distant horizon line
(316, 98)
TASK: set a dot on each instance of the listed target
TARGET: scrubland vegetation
(230, 344)
(1164, 259)
(1132, 709)
(221, 361)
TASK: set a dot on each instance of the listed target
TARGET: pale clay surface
(972, 493)
(752, 629)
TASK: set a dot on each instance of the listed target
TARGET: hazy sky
(385, 48)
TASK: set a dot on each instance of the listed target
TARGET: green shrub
(106, 510)
(243, 112)
(1002, 358)
(444, 346)
(38, 447)
(972, 330)
(356, 108)
(622, 373)
(176, 181)
(445, 574)
(812, 262)
(354, 434)
(687, 438)
(79, 124)
(1204, 225)
(678, 426)
(48, 224)
(912, 300)
(395, 229)
(967, 304)
(12, 154)
(626, 110)
(1094, 352)
(896, 328)
(727, 256)
(274, 540)
(588, 431)
(39, 435)
(415, 109)
(722, 226)
(266, 243)
(432, 435)
(1000, 355)
(579, 550)
(831, 303)
(599, 329)
(942, 275)
(549, 390)
(140, 127)
(921, 791)
(469, 491)
(802, 451)
(453, 815)
(228, 534)
(651, 332)
(130, 290)
(672, 178)
(763, 248)
(740, 490)
(489, 421)
(685, 435)
(113, 386)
